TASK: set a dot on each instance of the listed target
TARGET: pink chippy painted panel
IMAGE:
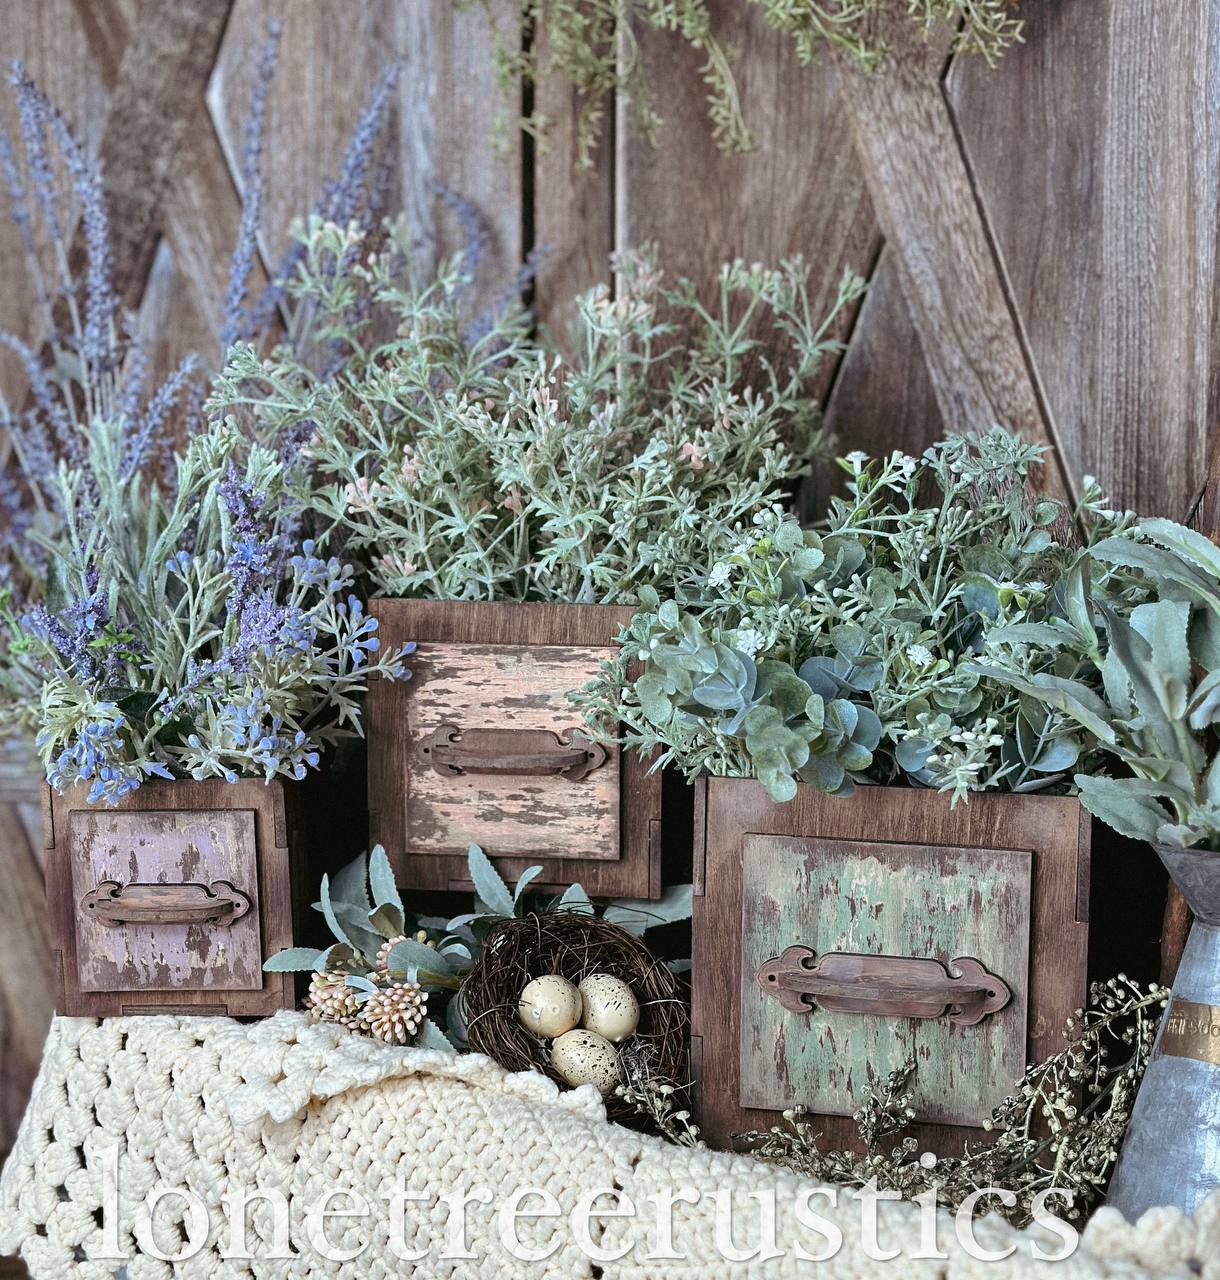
(506, 687)
(166, 848)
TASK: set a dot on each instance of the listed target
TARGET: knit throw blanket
(164, 1146)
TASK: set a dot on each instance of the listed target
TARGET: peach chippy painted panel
(506, 687)
(166, 848)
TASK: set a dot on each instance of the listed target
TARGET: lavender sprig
(238, 323)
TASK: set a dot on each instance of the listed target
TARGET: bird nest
(573, 945)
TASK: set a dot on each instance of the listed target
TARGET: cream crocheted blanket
(360, 1160)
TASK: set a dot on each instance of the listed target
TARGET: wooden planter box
(958, 935)
(170, 902)
(482, 746)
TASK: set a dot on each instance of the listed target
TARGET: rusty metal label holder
(113, 904)
(885, 986)
(452, 752)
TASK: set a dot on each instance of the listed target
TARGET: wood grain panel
(165, 848)
(1095, 146)
(950, 276)
(802, 191)
(572, 208)
(883, 398)
(26, 978)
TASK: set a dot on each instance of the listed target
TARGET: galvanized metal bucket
(1171, 1155)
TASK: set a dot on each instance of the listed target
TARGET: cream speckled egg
(584, 1057)
(549, 1005)
(609, 1007)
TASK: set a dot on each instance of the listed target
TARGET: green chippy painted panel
(892, 900)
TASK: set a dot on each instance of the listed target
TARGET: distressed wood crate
(170, 901)
(482, 746)
(833, 938)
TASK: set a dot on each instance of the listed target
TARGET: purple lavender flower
(49, 403)
(475, 234)
(19, 211)
(101, 301)
(251, 552)
(350, 197)
(33, 112)
(515, 291)
(237, 323)
(152, 422)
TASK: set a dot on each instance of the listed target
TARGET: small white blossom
(749, 641)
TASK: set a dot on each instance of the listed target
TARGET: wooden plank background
(1041, 238)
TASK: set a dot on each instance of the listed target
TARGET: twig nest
(572, 945)
(584, 1057)
(549, 1006)
(609, 1007)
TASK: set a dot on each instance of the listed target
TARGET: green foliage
(848, 653)
(475, 463)
(1149, 622)
(593, 45)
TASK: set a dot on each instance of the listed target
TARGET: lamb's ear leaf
(455, 1023)
(413, 957)
(355, 927)
(328, 912)
(381, 879)
(523, 882)
(340, 952)
(430, 1036)
(388, 920)
(350, 884)
(576, 899)
(637, 915)
(1120, 805)
(488, 885)
(292, 960)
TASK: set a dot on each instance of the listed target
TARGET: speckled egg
(549, 1006)
(609, 1007)
(584, 1057)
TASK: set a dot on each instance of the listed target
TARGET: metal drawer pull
(524, 752)
(112, 903)
(886, 986)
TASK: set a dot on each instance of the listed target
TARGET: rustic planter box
(170, 901)
(834, 938)
(482, 746)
